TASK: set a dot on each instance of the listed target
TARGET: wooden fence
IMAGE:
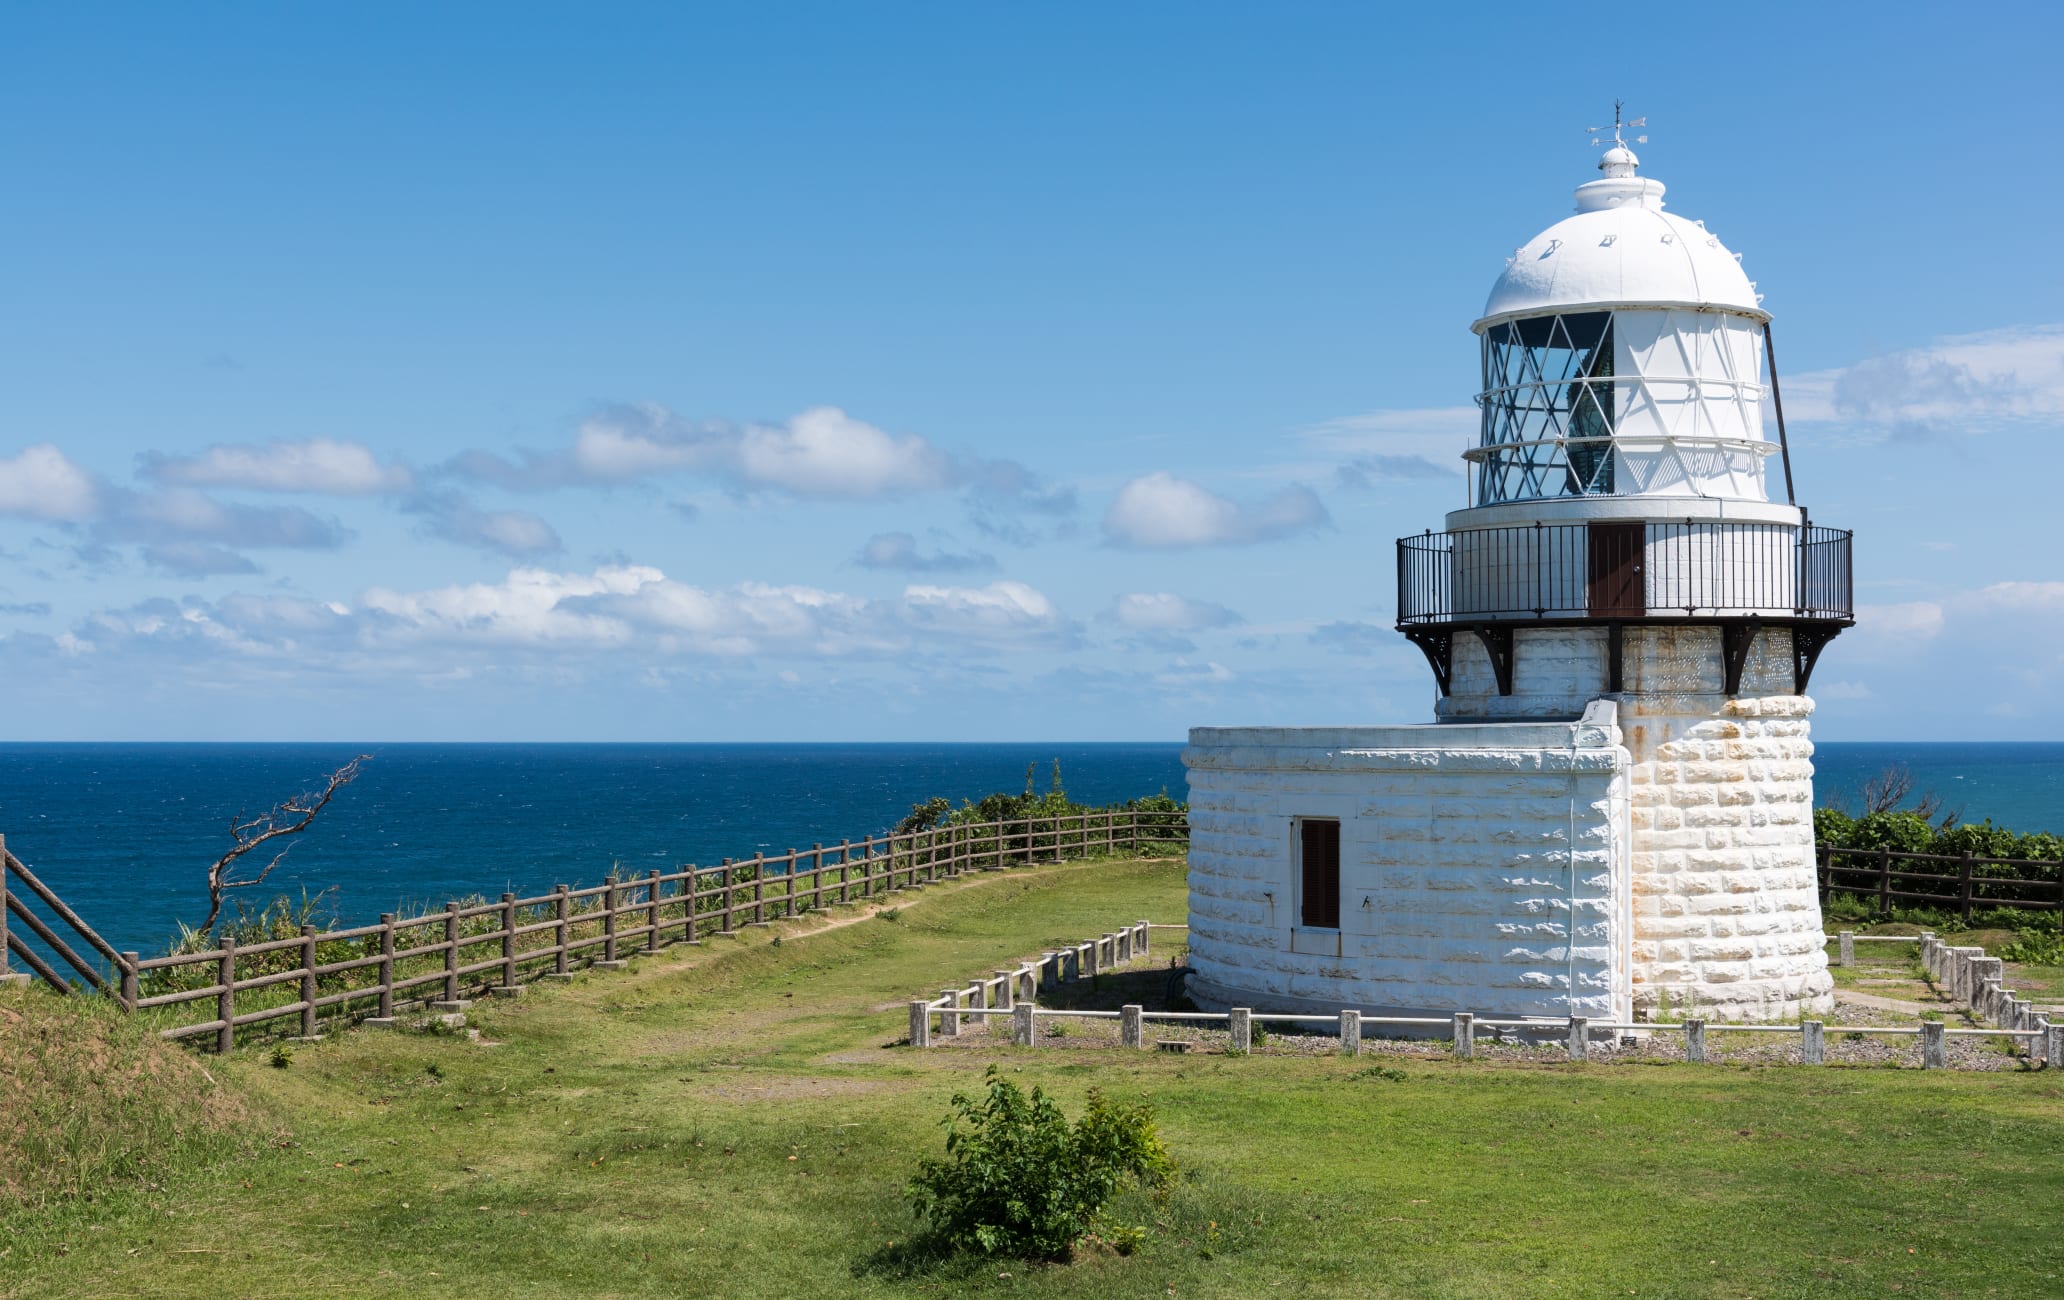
(441, 958)
(1962, 883)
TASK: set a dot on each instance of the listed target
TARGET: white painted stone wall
(1458, 889)
(1726, 916)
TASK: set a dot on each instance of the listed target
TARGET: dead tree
(290, 817)
(1890, 788)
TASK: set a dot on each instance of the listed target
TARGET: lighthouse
(1612, 815)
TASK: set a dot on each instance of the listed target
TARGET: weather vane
(1597, 136)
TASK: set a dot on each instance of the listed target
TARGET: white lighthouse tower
(1613, 815)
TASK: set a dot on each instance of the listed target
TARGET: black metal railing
(1618, 570)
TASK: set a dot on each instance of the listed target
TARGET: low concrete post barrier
(1028, 983)
(1695, 1041)
(1021, 1024)
(1241, 1025)
(1146, 938)
(1812, 1043)
(1465, 1034)
(1848, 949)
(1004, 980)
(1351, 1033)
(920, 1024)
(2053, 1044)
(1579, 1038)
(1049, 971)
(949, 1017)
(978, 1000)
(1122, 946)
(1130, 1027)
(1090, 964)
(1933, 1057)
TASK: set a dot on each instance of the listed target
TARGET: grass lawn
(735, 1120)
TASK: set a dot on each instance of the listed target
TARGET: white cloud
(515, 533)
(901, 551)
(823, 452)
(638, 609)
(1968, 383)
(1916, 620)
(316, 465)
(2021, 597)
(1002, 615)
(1184, 673)
(196, 560)
(1163, 611)
(183, 514)
(1433, 436)
(1161, 511)
(41, 483)
(530, 607)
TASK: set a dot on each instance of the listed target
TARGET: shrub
(1020, 1180)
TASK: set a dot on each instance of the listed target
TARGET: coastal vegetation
(740, 1119)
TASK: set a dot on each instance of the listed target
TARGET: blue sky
(942, 372)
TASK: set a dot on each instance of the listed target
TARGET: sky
(943, 372)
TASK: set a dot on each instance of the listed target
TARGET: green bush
(1019, 1180)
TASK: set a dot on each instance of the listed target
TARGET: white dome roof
(1621, 249)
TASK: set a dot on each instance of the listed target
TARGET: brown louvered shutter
(1321, 856)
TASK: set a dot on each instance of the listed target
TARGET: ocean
(125, 832)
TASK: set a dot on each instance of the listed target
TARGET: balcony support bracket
(1808, 640)
(1438, 645)
(1497, 643)
(1736, 636)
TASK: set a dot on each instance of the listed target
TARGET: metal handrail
(1691, 569)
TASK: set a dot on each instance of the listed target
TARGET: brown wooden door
(1615, 588)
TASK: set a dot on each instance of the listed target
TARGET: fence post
(1811, 1043)
(1146, 938)
(724, 885)
(308, 981)
(225, 1000)
(1884, 882)
(1847, 939)
(1695, 1041)
(1122, 947)
(3, 908)
(845, 871)
(652, 910)
(509, 985)
(1827, 871)
(609, 905)
(451, 953)
(1579, 1038)
(1092, 959)
(386, 1007)
(1241, 1024)
(1964, 885)
(1022, 1025)
(759, 889)
(1351, 1033)
(949, 1013)
(129, 973)
(2053, 1043)
(1465, 1034)
(1005, 980)
(1932, 1055)
(561, 931)
(920, 1024)
(1130, 1026)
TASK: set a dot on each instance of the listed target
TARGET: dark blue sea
(125, 832)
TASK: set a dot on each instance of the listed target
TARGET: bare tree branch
(281, 820)
(1888, 789)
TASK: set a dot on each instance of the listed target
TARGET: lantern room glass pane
(1547, 408)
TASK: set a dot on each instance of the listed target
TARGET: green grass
(735, 1120)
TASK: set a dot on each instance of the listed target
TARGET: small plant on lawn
(1018, 1179)
(282, 1056)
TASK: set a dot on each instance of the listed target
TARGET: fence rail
(441, 958)
(1968, 883)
